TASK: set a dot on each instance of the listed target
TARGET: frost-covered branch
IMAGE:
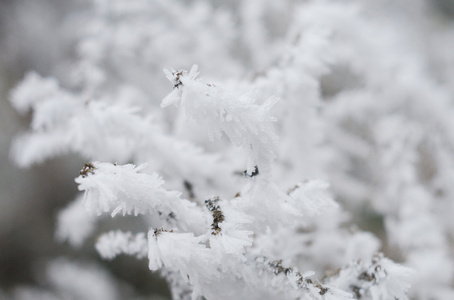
(378, 279)
(127, 189)
(244, 121)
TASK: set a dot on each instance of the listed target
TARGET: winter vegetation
(265, 149)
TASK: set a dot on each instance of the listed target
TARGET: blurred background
(40, 35)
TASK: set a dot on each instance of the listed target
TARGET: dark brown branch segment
(218, 216)
(87, 169)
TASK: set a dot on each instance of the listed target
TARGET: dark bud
(254, 173)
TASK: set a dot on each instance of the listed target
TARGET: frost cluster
(281, 122)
